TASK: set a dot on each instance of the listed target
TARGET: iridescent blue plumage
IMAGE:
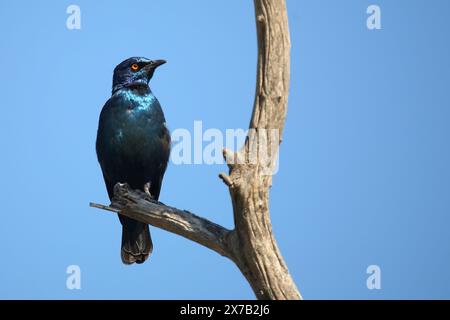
(133, 145)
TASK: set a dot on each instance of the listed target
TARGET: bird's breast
(136, 123)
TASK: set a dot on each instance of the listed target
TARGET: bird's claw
(147, 190)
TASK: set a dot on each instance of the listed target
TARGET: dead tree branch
(251, 244)
(138, 205)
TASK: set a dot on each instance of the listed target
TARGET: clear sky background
(364, 171)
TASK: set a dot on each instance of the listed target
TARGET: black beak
(156, 63)
(152, 65)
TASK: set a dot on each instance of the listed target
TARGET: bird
(133, 146)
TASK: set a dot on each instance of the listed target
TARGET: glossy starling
(133, 145)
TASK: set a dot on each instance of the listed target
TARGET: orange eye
(134, 67)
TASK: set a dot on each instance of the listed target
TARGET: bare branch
(137, 205)
(260, 259)
(251, 245)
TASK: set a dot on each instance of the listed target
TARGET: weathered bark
(258, 256)
(251, 245)
(139, 206)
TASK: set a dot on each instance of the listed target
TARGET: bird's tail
(136, 241)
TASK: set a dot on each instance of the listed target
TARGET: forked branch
(251, 244)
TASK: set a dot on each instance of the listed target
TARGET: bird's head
(134, 71)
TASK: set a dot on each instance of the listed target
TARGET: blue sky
(363, 179)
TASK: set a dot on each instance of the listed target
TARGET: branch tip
(229, 156)
(103, 207)
(226, 179)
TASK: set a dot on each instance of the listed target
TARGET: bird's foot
(147, 189)
(147, 192)
(149, 196)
